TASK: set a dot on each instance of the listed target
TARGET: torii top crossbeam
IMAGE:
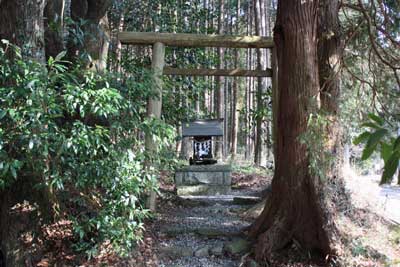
(195, 40)
(201, 40)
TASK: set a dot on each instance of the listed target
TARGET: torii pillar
(154, 105)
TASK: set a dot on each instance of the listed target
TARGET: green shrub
(82, 138)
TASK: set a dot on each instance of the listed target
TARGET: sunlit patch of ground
(371, 231)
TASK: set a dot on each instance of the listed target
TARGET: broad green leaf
(372, 143)
(390, 168)
(60, 56)
(13, 171)
(376, 118)
(371, 125)
(361, 138)
(386, 151)
(3, 113)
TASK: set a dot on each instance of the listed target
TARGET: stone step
(236, 246)
(205, 231)
(246, 200)
(203, 189)
(223, 199)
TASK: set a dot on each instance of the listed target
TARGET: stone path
(205, 232)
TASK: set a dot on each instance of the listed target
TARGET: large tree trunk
(329, 62)
(55, 27)
(329, 55)
(97, 33)
(297, 208)
(21, 22)
(330, 51)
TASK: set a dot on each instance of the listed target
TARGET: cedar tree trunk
(329, 63)
(296, 208)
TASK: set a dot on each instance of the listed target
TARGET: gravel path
(205, 233)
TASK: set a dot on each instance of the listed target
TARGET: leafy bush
(82, 139)
(382, 139)
(315, 139)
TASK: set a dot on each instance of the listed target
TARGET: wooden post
(154, 106)
(195, 40)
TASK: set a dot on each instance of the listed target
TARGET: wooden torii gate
(160, 40)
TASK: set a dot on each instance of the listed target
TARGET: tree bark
(21, 22)
(329, 62)
(260, 85)
(330, 51)
(219, 91)
(235, 89)
(297, 207)
(97, 33)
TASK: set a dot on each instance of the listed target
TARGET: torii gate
(160, 40)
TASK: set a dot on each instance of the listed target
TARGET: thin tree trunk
(258, 133)
(220, 89)
(296, 208)
(235, 89)
(118, 51)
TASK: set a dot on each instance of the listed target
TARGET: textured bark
(97, 33)
(219, 91)
(259, 26)
(297, 208)
(329, 62)
(330, 51)
(249, 87)
(329, 55)
(235, 89)
(55, 27)
(21, 22)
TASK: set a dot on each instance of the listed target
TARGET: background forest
(73, 108)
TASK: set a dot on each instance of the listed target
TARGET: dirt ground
(372, 236)
(367, 193)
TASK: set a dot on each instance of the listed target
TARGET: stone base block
(203, 180)
(204, 174)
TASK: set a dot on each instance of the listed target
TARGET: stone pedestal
(203, 180)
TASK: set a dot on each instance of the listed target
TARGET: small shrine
(204, 175)
(202, 133)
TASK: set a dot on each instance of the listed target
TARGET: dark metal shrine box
(202, 132)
